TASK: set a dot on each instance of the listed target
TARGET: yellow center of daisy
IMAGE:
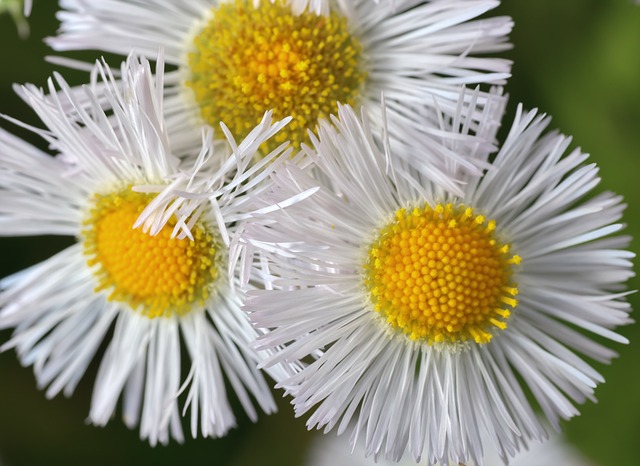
(248, 60)
(440, 275)
(156, 275)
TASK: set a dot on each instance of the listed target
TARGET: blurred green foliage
(578, 60)
(14, 8)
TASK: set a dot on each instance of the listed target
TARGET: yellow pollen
(439, 275)
(155, 275)
(248, 60)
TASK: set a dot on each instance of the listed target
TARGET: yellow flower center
(156, 275)
(439, 275)
(248, 60)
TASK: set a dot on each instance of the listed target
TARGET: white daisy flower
(330, 450)
(427, 319)
(155, 293)
(237, 59)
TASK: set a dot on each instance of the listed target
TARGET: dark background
(578, 60)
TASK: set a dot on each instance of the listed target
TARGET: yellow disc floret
(156, 275)
(248, 60)
(439, 275)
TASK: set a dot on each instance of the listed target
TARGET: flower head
(425, 317)
(156, 292)
(328, 450)
(237, 59)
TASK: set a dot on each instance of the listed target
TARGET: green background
(577, 60)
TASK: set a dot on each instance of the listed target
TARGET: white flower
(426, 318)
(238, 59)
(330, 450)
(155, 293)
